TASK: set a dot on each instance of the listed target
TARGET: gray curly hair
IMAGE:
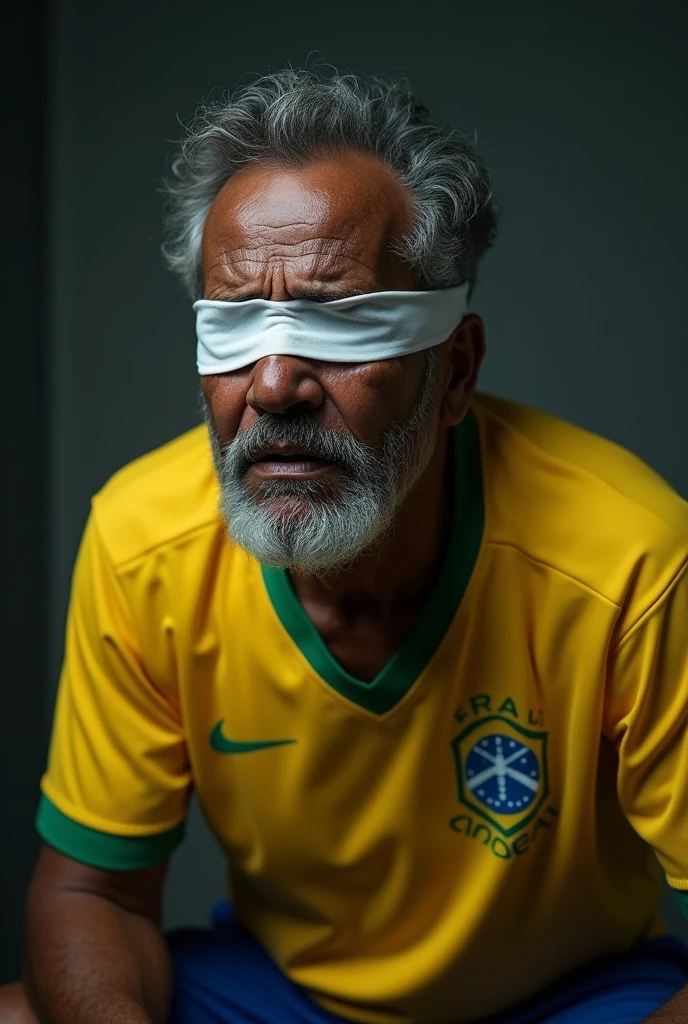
(295, 115)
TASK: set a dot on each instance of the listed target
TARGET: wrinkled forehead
(348, 207)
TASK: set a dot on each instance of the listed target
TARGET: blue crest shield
(501, 771)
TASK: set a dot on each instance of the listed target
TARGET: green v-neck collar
(388, 687)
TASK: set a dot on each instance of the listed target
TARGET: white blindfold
(358, 329)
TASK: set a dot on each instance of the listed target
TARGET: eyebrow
(312, 296)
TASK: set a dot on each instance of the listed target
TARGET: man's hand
(673, 1012)
(94, 949)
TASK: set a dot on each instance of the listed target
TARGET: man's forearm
(673, 1012)
(88, 960)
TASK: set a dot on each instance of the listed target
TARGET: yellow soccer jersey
(496, 796)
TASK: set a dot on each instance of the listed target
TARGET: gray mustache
(302, 433)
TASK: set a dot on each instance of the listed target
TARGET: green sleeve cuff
(101, 849)
(682, 900)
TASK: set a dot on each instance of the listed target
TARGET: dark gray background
(580, 110)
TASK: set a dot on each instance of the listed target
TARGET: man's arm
(94, 949)
(646, 715)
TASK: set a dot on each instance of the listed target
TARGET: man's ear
(464, 353)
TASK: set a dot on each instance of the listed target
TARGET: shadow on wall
(673, 916)
(197, 875)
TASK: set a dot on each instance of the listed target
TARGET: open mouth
(289, 464)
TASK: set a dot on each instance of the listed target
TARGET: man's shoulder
(580, 502)
(159, 498)
(595, 456)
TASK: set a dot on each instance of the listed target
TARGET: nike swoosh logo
(222, 745)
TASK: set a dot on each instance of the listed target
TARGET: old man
(421, 652)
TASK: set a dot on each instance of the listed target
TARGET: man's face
(314, 458)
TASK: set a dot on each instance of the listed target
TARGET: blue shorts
(223, 976)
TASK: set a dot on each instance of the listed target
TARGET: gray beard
(320, 527)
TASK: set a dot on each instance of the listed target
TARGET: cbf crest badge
(501, 772)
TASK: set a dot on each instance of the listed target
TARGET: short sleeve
(117, 783)
(647, 717)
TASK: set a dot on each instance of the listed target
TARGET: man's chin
(285, 509)
(299, 526)
(273, 521)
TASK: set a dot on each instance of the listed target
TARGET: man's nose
(281, 383)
